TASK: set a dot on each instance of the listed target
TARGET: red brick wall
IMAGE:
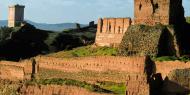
(134, 66)
(110, 31)
(146, 14)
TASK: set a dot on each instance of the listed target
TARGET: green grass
(118, 88)
(88, 76)
(87, 51)
(184, 58)
(100, 87)
(165, 58)
(110, 80)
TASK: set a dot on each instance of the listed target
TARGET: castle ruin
(16, 15)
(110, 31)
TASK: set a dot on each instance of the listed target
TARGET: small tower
(16, 15)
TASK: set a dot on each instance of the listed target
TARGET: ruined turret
(151, 12)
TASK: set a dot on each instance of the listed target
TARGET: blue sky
(82, 11)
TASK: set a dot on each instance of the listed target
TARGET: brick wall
(15, 70)
(151, 12)
(110, 31)
(167, 67)
(136, 79)
(11, 72)
(98, 63)
(134, 66)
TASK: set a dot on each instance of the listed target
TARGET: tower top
(151, 12)
(17, 6)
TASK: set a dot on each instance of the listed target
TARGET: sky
(80, 11)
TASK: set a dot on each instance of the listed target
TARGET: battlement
(110, 31)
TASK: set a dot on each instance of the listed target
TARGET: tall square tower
(151, 12)
(16, 15)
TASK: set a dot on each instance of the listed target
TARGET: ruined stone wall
(11, 72)
(134, 66)
(110, 31)
(15, 70)
(151, 12)
(98, 63)
(168, 66)
(137, 68)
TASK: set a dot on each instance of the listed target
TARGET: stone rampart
(15, 70)
(138, 68)
(98, 63)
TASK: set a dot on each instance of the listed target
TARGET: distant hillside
(44, 26)
(29, 41)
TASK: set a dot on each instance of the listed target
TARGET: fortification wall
(138, 68)
(110, 31)
(98, 63)
(15, 70)
(167, 67)
(11, 72)
(134, 66)
(151, 12)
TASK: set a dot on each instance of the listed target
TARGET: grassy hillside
(86, 51)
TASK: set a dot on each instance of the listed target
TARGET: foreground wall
(139, 69)
(15, 70)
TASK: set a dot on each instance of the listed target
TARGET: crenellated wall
(110, 31)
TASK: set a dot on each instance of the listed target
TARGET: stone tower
(151, 12)
(16, 15)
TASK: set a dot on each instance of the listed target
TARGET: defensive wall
(110, 31)
(139, 69)
(15, 70)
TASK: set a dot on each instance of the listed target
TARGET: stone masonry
(151, 12)
(110, 31)
(16, 15)
(146, 12)
(138, 68)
